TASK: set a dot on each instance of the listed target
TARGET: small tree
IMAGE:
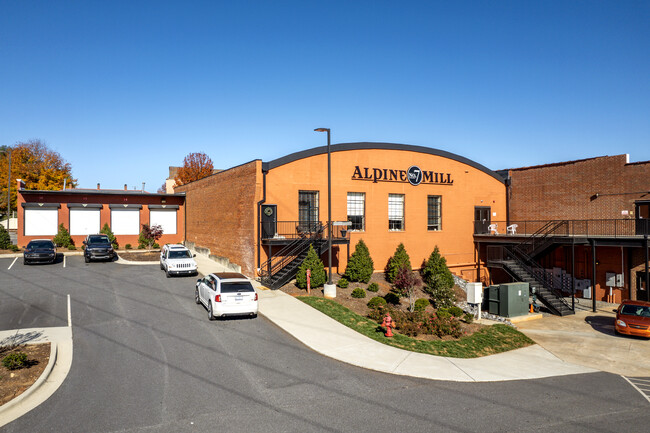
(195, 166)
(111, 237)
(438, 279)
(5, 240)
(399, 259)
(63, 238)
(318, 275)
(406, 284)
(360, 266)
(149, 235)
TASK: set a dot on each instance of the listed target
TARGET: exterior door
(308, 210)
(642, 293)
(269, 221)
(481, 219)
(642, 218)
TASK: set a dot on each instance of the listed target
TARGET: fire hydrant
(387, 323)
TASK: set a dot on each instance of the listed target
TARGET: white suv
(176, 259)
(226, 294)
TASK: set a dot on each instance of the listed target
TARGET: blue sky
(124, 89)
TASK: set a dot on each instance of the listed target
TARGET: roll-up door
(41, 222)
(84, 221)
(125, 221)
(166, 218)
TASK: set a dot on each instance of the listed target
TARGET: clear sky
(124, 89)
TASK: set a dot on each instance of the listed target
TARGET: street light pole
(329, 202)
(8, 187)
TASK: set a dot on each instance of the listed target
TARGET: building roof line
(340, 147)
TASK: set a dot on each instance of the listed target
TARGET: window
(84, 221)
(125, 221)
(357, 210)
(308, 210)
(165, 219)
(41, 222)
(434, 217)
(395, 211)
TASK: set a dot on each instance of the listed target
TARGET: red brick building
(85, 211)
(593, 216)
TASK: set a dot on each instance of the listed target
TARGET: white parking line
(69, 313)
(64, 261)
(634, 382)
(12, 263)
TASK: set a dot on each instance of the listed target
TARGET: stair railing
(543, 237)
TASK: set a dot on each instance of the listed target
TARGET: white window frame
(356, 206)
(396, 212)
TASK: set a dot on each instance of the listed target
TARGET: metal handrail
(289, 253)
(616, 228)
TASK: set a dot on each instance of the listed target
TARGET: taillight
(255, 297)
(217, 298)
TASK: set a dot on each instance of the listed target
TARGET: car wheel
(87, 259)
(25, 262)
(167, 273)
(210, 315)
(196, 296)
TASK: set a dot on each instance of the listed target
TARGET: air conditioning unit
(586, 290)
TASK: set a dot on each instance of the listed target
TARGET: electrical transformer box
(474, 293)
(514, 299)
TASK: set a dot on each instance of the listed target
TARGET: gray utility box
(508, 300)
(514, 299)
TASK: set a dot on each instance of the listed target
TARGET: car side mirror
(193, 255)
(614, 310)
(84, 242)
(198, 280)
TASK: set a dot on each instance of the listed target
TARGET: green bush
(128, 246)
(111, 237)
(71, 247)
(343, 283)
(5, 240)
(421, 304)
(396, 262)
(376, 302)
(155, 246)
(435, 273)
(442, 297)
(13, 248)
(456, 311)
(142, 246)
(62, 238)
(468, 317)
(414, 323)
(360, 266)
(14, 361)
(392, 298)
(318, 275)
(373, 287)
(443, 313)
(358, 293)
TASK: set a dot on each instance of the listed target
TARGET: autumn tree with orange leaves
(38, 166)
(195, 166)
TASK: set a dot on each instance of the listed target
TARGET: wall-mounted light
(163, 200)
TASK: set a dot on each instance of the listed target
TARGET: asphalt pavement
(146, 358)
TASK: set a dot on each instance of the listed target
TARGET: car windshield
(180, 254)
(636, 310)
(236, 287)
(40, 244)
(97, 240)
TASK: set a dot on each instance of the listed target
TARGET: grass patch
(488, 341)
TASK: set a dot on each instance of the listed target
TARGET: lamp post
(8, 186)
(329, 205)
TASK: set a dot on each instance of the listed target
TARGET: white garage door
(84, 221)
(125, 221)
(41, 222)
(165, 218)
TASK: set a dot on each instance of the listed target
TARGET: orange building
(85, 211)
(262, 215)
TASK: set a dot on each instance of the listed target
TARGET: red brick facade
(232, 234)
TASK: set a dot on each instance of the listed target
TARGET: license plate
(239, 298)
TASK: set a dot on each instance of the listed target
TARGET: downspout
(259, 218)
(508, 182)
(593, 291)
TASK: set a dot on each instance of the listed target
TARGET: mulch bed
(358, 305)
(15, 382)
(140, 256)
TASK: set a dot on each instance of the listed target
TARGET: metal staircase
(283, 266)
(519, 261)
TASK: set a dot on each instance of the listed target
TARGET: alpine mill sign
(414, 175)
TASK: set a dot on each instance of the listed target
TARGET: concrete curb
(121, 261)
(36, 385)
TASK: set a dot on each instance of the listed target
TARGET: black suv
(98, 247)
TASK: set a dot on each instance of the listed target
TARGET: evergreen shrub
(360, 266)
(399, 259)
(421, 304)
(5, 240)
(63, 238)
(358, 293)
(376, 301)
(373, 287)
(318, 275)
(343, 283)
(111, 237)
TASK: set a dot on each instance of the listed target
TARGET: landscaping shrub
(377, 301)
(456, 311)
(415, 323)
(72, 247)
(343, 283)
(128, 246)
(155, 246)
(111, 237)
(421, 304)
(399, 259)
(406, 283)
(373, 287)
(62, 238)
(436, 274)
(149, 236)
(14, 361)
(358, 293)
(392, 298)
(5, 240)
(360, 266)
(141, 247)
(13, 248)
(442, 297)
(468, 317)
(443, 313)
(318, 275)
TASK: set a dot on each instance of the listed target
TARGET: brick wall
(568, 190)
(222, 213)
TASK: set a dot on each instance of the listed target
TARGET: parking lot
(146, 358)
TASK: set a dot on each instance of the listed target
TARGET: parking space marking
(69, 313)
(64, 264)
(12, 263)
(641, 384)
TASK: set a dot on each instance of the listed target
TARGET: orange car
(633, 318)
